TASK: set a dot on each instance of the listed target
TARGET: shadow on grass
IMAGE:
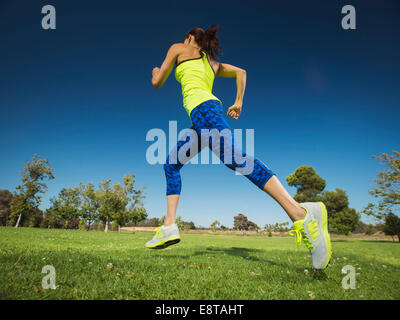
(363, 241)
(233, 251)
(238, 252)
(247, 254)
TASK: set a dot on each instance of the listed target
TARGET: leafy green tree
(335, 201)
(179, 221)
(120, 213)
(35, 218)
(114, 202)
(341, 218)
(149, 222)
(5, 200)
(392, 225)
(129, 195)
(387, 187)
(368, 229)
(182, 225)
(310, 186)
(65, 209)
(82, 225)
(307, 182)
(344, 222)
(28, 195)
(154, 222)
(107, 204)
(51, 220)
(138, 214)
(89, 204)
(189, 225)
(162, 220)
(215, 225)
(277, 227)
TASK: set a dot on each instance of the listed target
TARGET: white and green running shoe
(313, 231)
(164, 237)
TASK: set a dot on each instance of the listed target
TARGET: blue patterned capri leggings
(205, 117)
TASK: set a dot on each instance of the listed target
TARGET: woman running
(196, 69)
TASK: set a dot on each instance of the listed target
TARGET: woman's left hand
(234, 111)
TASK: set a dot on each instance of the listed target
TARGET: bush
(370, 230)
(100, 226)
(82, 225)
(392, 225)
(344, 222)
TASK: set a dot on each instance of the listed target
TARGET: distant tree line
(277, 227)
(119, 205)
(83, 206)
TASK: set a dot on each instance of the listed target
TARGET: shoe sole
(326, 233)
(166, 243)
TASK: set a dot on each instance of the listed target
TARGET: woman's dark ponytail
(207, 40)
(211, 43)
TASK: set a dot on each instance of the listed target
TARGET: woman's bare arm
(229, 71)
(159, 75)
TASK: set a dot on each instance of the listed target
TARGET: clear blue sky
(316, 95)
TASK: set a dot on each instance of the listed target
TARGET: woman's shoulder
(178, 47)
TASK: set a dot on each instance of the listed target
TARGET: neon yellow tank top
(196, 77)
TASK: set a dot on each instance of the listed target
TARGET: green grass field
(98, 265)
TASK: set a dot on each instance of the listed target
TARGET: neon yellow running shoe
(313, 231)
(164, 237)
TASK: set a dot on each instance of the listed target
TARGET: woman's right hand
(234, 111)
(155, 72)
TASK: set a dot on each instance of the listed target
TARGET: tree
(189, 225)
(139, 214)
(129, 195)
(215, 225)
(120, 213)
(115, 200)
(307, 182)
(392, 225)
(89, 204)
(5, 199)
(182, 225)
(344, 222)
(387, 187)
(136, 215)
(277, 227)
(162, 220)
(310, 186)
(29, 192)
(252, 226)
(152, 222)
(368, 229)
(341, 218)
(106, 203)
(35, 218)
(65, 209)
(179, 221)
(241, 222)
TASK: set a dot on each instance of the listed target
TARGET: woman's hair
(207, 40)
